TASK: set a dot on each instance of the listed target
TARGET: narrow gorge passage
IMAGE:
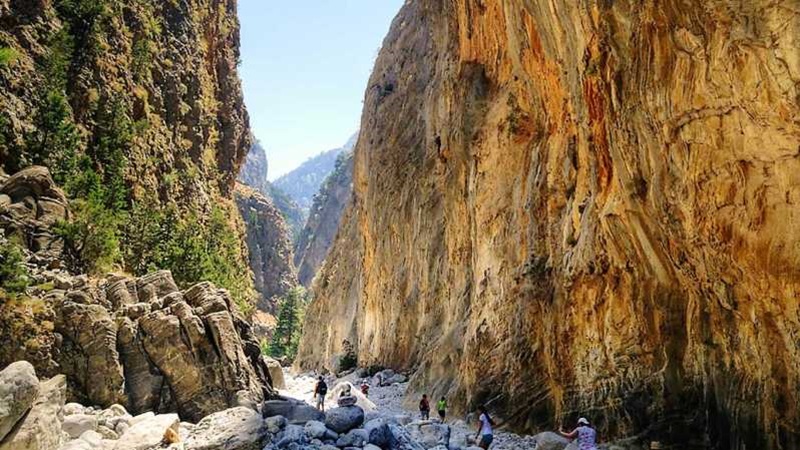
(538, 214)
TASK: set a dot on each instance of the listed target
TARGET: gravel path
(389, 402)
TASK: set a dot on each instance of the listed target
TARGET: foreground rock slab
(18, 390)
(233, 429)
(40, 429)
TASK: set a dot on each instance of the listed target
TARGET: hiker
(441, 406)
(587, 436)
(320, 390)
(365, 388)
(425, 407)
(485, 424)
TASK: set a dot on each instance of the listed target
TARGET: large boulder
(378, 432)
(295, 412)
(77, 424)
(275, 372)
(30, 205)
(429, 434)
(18, 389)
(237, 428)
(344, 419)
(40, 429)
(148, 432)
(292, 434)
(550, 441)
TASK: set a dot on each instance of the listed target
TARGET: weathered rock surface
(31, 204)
(186, 351)
(590, 206)
(295, 412)
(18, 389)
(147, 433)
(270, 247)
(233, 429)
(40, 429)
(323, 219)
(275, 372)
(344, 418)
(550, 441)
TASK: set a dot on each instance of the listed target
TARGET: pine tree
(287, 333)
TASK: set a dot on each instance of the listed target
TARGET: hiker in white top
(485, 423)
(587, 436)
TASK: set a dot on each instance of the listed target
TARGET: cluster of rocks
(388, 377)
(298, 426)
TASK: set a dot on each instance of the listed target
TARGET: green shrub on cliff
(7, 56)
(14, 277)
(193, 248)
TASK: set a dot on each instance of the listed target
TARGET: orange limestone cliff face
(582, 207)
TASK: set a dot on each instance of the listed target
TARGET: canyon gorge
(553, 209)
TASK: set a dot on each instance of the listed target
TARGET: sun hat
(583, 421)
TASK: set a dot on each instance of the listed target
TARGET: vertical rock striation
(566, 208)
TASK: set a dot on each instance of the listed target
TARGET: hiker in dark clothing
(320, 390)
(424, 407)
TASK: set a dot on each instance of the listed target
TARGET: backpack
(323, 388)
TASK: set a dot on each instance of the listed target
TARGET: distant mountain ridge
(302, 183)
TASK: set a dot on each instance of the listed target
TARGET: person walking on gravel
(586, 435)
(485, 424)
(320, 390)
(441, 406)
(424, 407)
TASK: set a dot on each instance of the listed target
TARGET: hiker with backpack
(485, 424)
(320, 390)
(424, 407)
(586, 435)
(441, 406)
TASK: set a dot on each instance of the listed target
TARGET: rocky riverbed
(34, 416)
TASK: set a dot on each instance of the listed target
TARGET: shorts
(486, 440)
(441, 414)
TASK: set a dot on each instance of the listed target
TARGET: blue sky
(305, 66)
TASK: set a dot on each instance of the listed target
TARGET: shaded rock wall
(581, 208)
(323, 220)
(269, 245)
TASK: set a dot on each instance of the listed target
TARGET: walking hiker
(587, 436)
(425, 407)
(320, 390)
(441, 406)
(485, 424)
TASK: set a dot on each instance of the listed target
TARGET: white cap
(583, 421)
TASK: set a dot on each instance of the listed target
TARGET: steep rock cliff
(255, 169)
(323, 219)
(566, 208)
(269, 245)
(171, 67)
